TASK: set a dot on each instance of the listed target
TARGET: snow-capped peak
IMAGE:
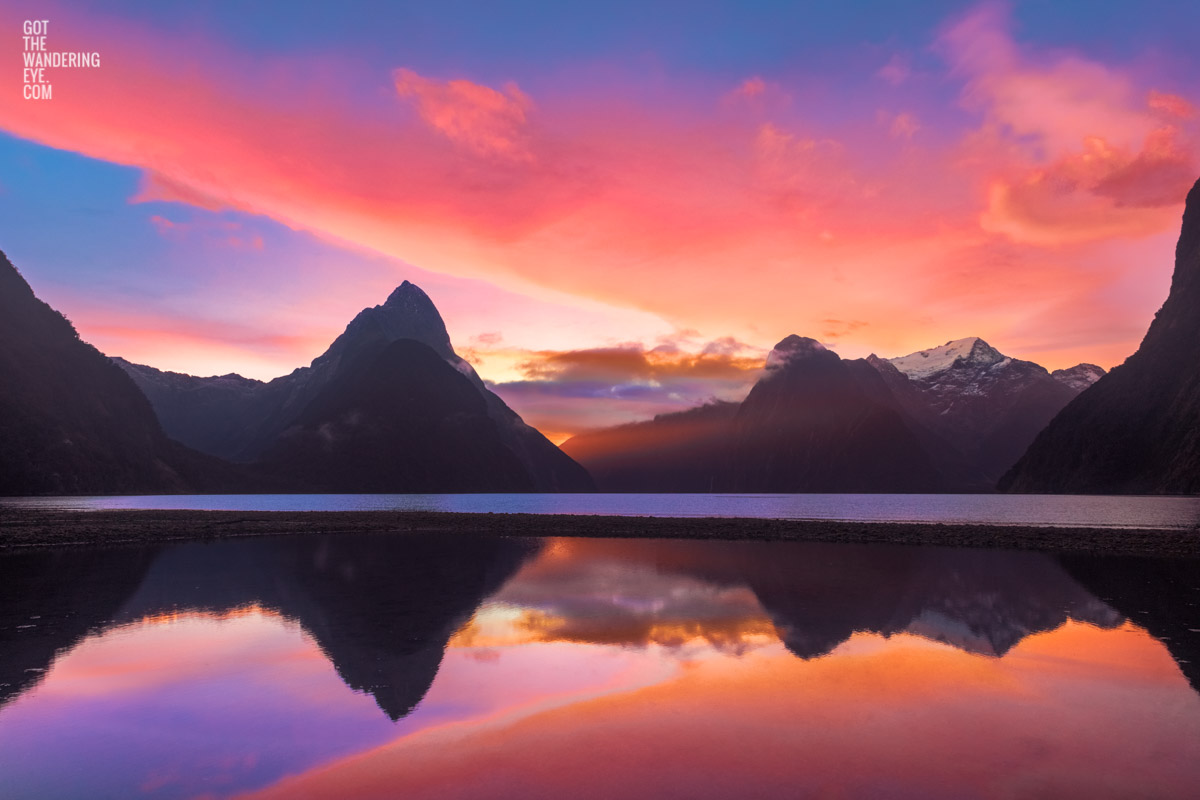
(971, 351)
(1079, 377)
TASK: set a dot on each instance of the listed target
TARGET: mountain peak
(971, 351)
(794, 348)
(408, 313)
(408, 294)
(1079, 377)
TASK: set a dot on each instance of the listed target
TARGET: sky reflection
(601, 668)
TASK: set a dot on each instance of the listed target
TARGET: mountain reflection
(380, 607)
(51, 599)
(1161, 595)
(814, 595)
(384, 608)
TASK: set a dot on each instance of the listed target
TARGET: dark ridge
(1137, 429)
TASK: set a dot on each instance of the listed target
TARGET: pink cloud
(757, 95)
(902, 125)
(751, 87)
(225, 233)
(896, 71)
(1078, 153)
(156, 188)
(650, 207)
(487, 121)
(1171, 104)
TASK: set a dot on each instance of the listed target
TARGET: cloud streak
(749, 219)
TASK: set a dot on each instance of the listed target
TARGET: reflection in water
(380, 607)
(50, 600)
(817, 595)
(1161, 595)
(533, 659)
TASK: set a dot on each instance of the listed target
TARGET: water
(362, 666)
(1160, 513)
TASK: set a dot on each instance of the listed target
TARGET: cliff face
(1137, 429)
(71, 422)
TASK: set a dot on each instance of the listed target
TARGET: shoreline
(25, 530)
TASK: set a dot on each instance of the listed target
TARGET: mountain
(817, 595)
(1078, 377)
(211, 415)
(286, 423)
(684, 451)
(71, 422)
(1137, 429)
(51, 599)
(816, 423)
(380, 608)
(399, 420)
(1159, 594)
(985, 405)
(812, 423)
(964, 409)
(980, 602)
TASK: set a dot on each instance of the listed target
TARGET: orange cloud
(567, 392)
(725, 360)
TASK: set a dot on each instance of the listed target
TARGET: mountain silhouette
(73, 423)
(950, 418)
(275, 422)
(819, 594)
(399, 420)
(1137, 429)
(381, 607)
(816, 423)
(1160, 595)
(50, 600)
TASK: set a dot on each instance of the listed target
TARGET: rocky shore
(22, 528)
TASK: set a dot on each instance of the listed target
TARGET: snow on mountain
(1079, 377)
(971, 351)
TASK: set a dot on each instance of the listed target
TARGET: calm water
(386, 666)
(991, 509)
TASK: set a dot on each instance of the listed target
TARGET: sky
(618, 208)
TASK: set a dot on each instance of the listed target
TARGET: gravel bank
(26, 528)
